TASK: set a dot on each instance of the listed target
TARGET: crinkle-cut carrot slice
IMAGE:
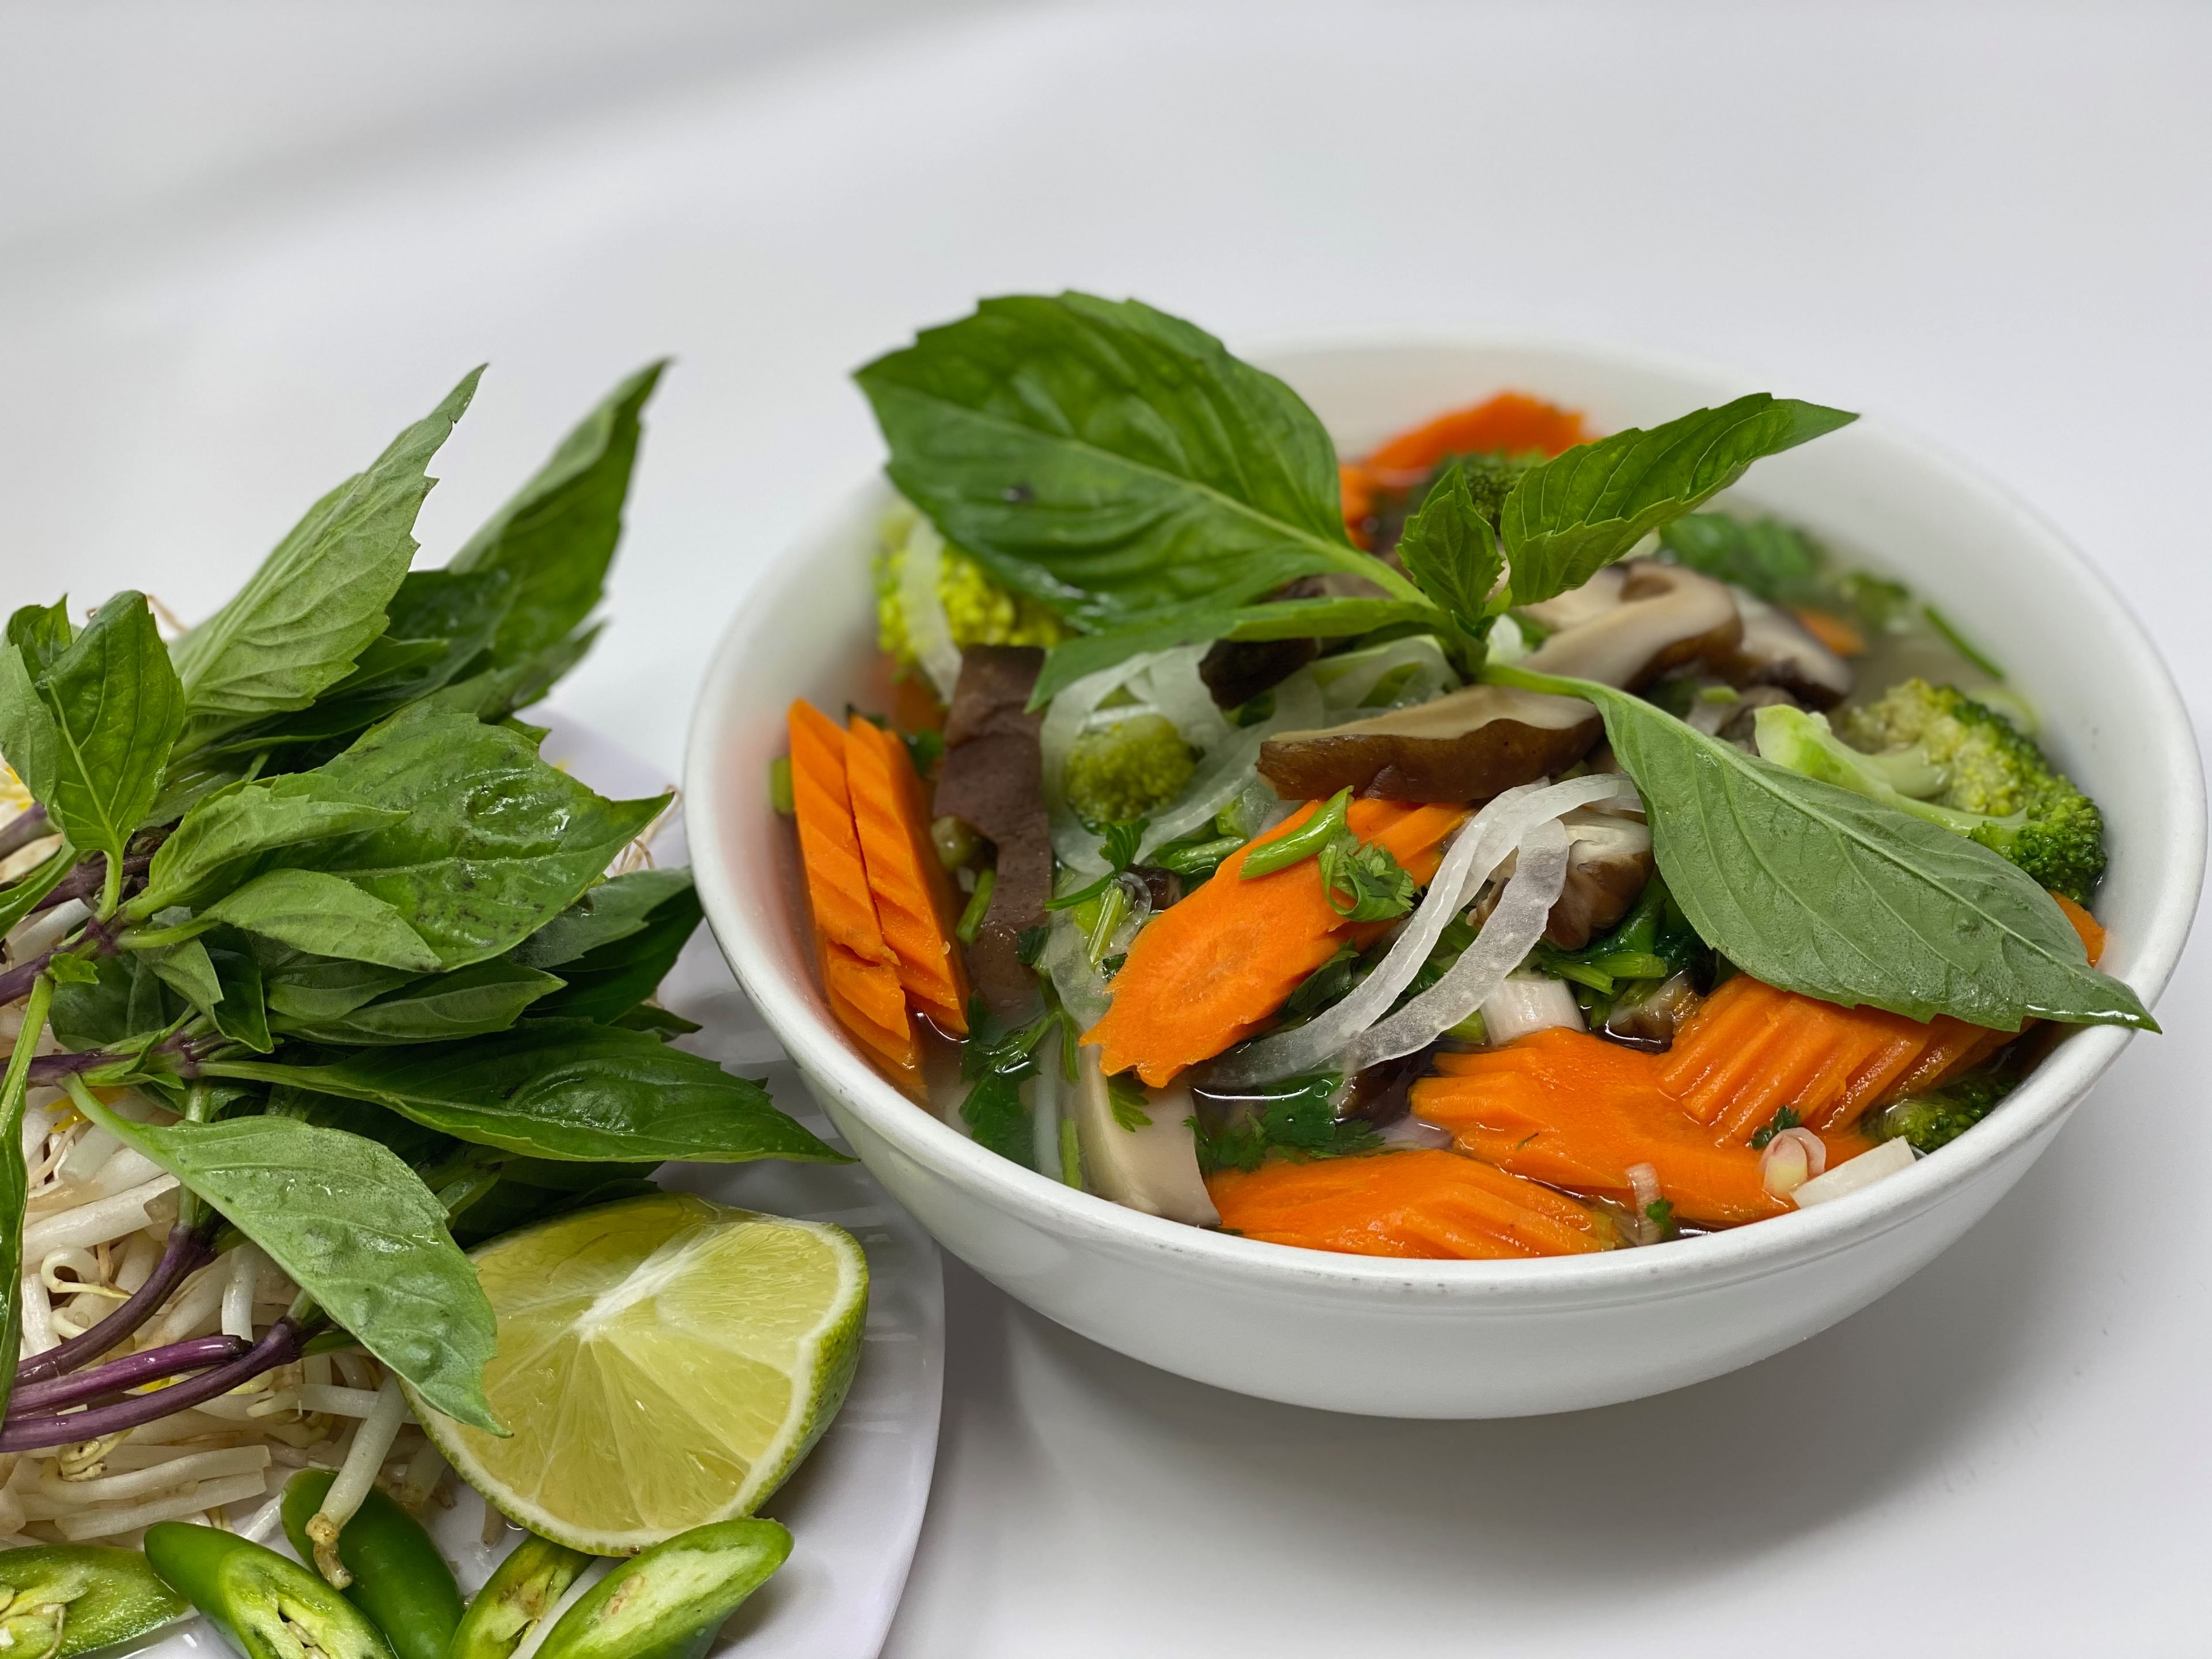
(1214, 969)
(912, 893)
(1575, 1111)
(868, 1002)
(829, 841)
(1512, 422)
(1429, 1204)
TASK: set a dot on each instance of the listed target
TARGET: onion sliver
(1506, 938)
(928, 629)
(1172, 686)
(1480, 847)
(1529, 1002)
(1224, 773)
(1891, 1157)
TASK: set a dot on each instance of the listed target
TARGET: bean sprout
(373, 1440)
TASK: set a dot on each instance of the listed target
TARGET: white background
(240, 244)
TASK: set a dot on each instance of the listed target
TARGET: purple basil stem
(194, 1353)
(184, 1252)
(279, 1345)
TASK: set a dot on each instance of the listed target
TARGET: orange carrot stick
(912, 893)
(1512, 422)
(1430, 1204)
(1572, 1110)
(1214, 968)
(860, 973)
(1840, 636)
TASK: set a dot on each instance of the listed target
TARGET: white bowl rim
(1680, 1267)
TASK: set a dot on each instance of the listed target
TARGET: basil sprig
(345, 918)
(1817, 889)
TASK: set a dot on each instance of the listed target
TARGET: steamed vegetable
(1124, 771)
(976, 610)
(1422, 1204)
(1214, 968)
(913, 896)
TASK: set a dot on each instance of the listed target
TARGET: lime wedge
(663, 1362)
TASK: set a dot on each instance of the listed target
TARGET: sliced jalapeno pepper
(399, 1579)
(521, 1591)
(269, 1607)
(666, 1602)
(57, 1600)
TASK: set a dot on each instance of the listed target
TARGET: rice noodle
(1506, 938)
(929, 630)
(1480, 846)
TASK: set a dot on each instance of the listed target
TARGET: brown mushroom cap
(1465, 745)
(1608, 863)
(1777, 649)
(1661, 615)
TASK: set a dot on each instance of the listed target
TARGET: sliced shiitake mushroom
(1609, 864)
(1465, 745)
(1776, 649)
(1661, 616)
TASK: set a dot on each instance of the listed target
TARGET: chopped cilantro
(1785, 1117)
(1297, 1118)
(1127, 1099)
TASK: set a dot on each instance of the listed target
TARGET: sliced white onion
(1791, 1159)
(1529, 1002)
(1863, 1171)
(1643, 1183)
(1067, 961)
(1481, 845)
(1066, 718)
(928, 629)
(1346, 680)
(1044, 1104)
(1171, 685)
(1506, 940)
(1222, 775)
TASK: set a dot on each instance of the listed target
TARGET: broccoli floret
(980, 611)
(1936, 752)
(1942, 1114)
(1128, 768)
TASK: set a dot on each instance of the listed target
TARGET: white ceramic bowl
(1483, 1339)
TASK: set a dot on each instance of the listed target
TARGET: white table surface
(241, 244)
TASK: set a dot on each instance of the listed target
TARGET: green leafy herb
(1111, 460)
(607, 981)
(1127, 1099)
(90, 735)
(556, 536)
(1785, 1117)
(995, 1060)
(314, 911)
(297, 626)
(561, 1088)
(212, 846)
(1817, 889)
(1296, 1117)
(1281, 619)
(488, 996)
(1450, 550)
(614, 909)
(1570, 518)
(356, 1229)
(21, 896)
(1660, 1212)
(1118, 844)
(1329, 983)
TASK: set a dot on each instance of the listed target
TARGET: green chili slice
(666, 1602)
(266, 1606)
(60, 1600)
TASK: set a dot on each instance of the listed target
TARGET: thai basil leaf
(298, 625)
(41, 633)
(115, 707)
(1111, 460)
(21, 896)
(408, 1141)
(495, 842)
(1284, 619)
(614, 909)
(1450, 548)
(218, 976)
(562, 1176)
(564, 1089)
(557, 536)
(496, 693)
(606, 983)
(126, 1002)
(489, 996)
(312, 911)
(304, 987)
(213, 844)
(646, 1017)
(440, 623)
(356, 1229)
(1817, 889)
(28, 738)
(1570, 518)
